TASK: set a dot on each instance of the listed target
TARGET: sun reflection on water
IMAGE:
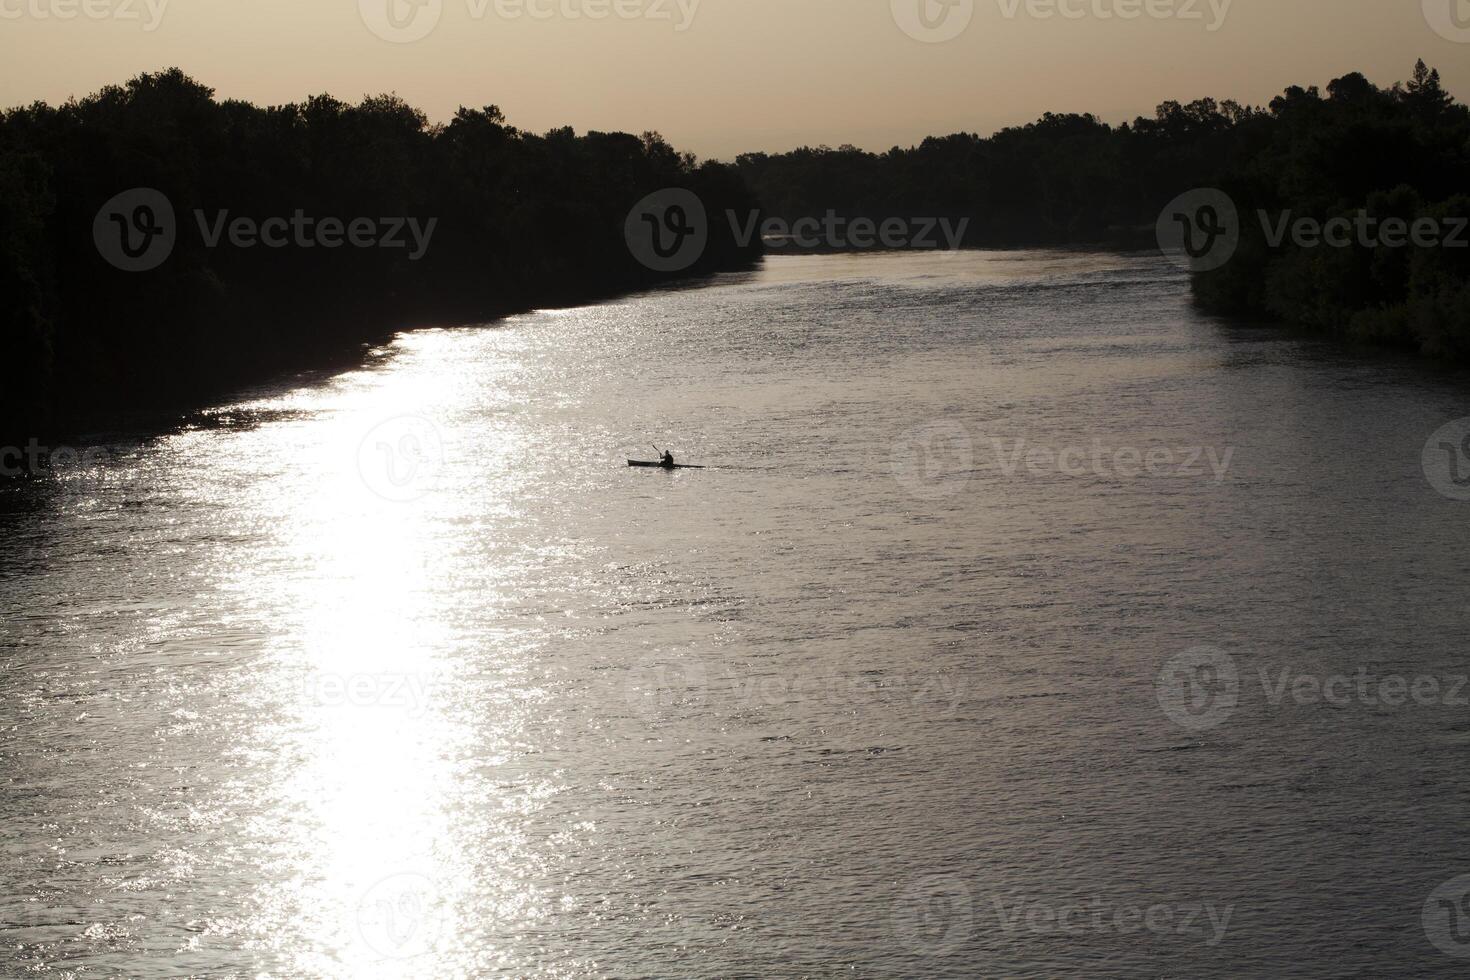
(377, 808)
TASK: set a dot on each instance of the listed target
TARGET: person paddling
(665, 458)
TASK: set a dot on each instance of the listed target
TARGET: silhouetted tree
(523, 220)
(1070, 179)
(1401, 153)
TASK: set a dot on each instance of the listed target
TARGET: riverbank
(118, 297)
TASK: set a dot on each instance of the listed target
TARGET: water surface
(405, 673)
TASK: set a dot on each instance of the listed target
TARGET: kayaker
(667, 462)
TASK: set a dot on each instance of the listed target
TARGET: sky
(721, 77)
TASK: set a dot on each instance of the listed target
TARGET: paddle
(686, 466)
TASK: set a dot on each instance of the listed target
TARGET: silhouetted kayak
(661, 466)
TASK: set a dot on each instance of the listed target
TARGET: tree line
(519, 220)
(523, 220)
(1358, 152)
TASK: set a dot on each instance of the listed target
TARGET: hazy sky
(721, 76)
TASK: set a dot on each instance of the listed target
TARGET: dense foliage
(1065, 179)
(522, 220)
(1399, 153)
(1403, 151)
(526, 220)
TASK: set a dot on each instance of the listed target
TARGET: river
(1024, 623)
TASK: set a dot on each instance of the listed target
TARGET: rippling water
(993, 642)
